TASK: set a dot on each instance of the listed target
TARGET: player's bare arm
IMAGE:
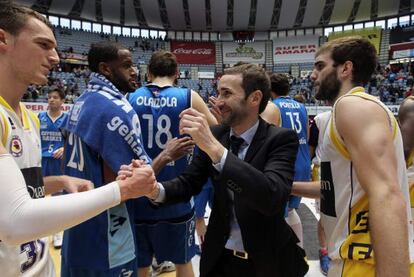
(198, 104)
(365, 129)
(271, 114)
(307, 189)
(406, 119)
(70, 184)
(175, 149)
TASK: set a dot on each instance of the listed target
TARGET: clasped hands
(137, 179)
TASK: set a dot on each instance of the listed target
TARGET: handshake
(136, 180)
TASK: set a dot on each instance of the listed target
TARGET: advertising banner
(42, 107)
(402, 34)
(299, 49)
(205, 75)
(194, 52)
(372, 34)
(249, 52)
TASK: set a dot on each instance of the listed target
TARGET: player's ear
(3, 40)
(104, 69)
(347, 69)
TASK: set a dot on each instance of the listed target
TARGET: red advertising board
(194, 52)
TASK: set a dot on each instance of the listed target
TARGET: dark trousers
(232, 266)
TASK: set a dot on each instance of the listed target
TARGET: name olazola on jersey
(157, 102)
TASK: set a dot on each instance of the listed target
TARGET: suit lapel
(257, 141)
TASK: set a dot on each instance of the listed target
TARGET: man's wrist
(216, 152)
(123, 190)
(153, 195)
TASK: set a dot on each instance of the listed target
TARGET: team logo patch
(16, 146)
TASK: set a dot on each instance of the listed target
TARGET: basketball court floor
(309, 219)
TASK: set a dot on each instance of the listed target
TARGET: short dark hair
(163, 63)
(104, 51)
(356, 49)
(58, 91)
(280, 84)
(14, 17)
(253, 78)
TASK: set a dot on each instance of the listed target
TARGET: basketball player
(293, 115)
(406, 120)
(316, 134)
(364, 192)
(166, 232)
(51, 136)
(52, 140)
(27, 52)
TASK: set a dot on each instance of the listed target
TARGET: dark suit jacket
(261, 184)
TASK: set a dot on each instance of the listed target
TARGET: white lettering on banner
(198, 51)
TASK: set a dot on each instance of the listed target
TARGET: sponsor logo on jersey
(16, 146)
(76, 111)
(36, 191)
(327, 190)
(12, 124)
(116, 223)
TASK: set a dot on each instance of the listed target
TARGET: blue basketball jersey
(50, 133)
(294, 116)
(103, 129)
(158, 110)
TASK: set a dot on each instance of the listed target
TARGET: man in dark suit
(247, 234)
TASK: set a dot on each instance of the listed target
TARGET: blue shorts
(51, 166)
(166, 241)
(128, 269)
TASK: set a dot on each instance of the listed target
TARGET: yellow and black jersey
(344, 203)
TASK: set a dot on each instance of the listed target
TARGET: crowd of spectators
(390, 84)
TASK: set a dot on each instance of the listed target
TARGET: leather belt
(240, 254)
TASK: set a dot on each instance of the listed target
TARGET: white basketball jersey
(344, 203)
(321, 121)
(22, 141)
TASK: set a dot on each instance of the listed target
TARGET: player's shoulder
(41, 115)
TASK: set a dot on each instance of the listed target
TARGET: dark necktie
(235, 143)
